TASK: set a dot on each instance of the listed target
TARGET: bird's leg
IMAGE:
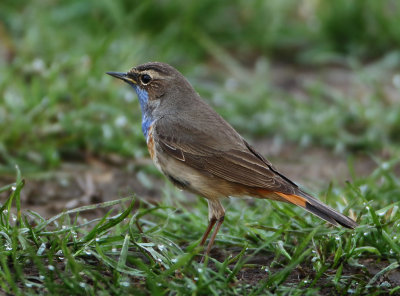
(214, 235)
(216, 214)
(211, 224)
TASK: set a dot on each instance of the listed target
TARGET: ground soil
(77, 184)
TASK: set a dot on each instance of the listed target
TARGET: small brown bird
(200, 152)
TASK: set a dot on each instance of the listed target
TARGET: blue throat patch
(147, 119)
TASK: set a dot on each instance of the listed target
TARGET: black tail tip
(330, 215)
(348, 223)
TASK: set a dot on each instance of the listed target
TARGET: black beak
(123, 76)
(119, 75)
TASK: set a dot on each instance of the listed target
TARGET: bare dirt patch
(76, 184)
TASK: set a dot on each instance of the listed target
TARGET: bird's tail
(318, 208)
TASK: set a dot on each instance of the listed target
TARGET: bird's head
(154, 81)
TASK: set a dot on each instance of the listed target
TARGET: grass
(139, 248)
(57, 105)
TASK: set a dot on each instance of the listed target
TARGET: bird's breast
(151, 146)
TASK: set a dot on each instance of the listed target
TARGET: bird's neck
(145, 106)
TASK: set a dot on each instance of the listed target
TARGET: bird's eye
(145, 78)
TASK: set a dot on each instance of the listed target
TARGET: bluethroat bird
(197, 150)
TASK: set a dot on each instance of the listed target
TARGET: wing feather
(239, 164)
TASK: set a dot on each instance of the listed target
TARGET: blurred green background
(313, 84)
(264, 65)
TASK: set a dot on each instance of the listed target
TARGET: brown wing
(235, 162)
